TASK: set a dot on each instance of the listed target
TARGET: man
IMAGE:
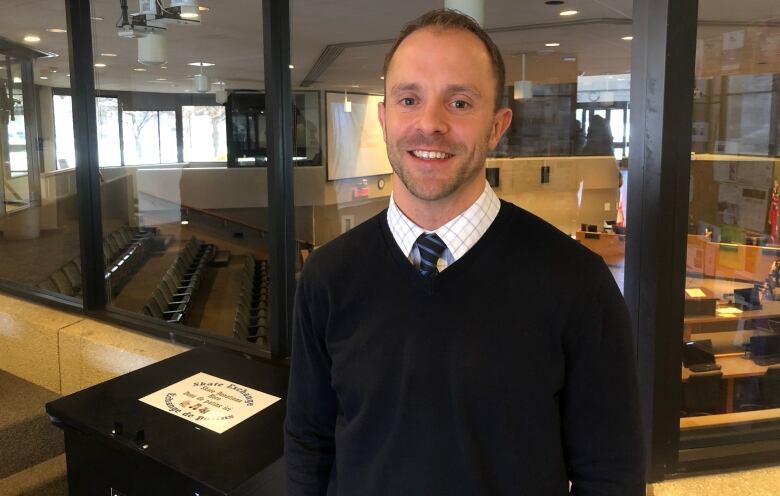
(456, 344)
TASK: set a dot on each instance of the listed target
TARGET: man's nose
(433, 120)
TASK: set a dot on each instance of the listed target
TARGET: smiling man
(456, 344)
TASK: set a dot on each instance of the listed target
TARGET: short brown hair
(453, 19)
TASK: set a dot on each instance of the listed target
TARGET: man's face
(438, 116)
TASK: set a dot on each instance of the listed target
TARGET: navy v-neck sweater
(509, 373)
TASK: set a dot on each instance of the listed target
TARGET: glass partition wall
(567, 83)
(39, 246)
(731, 332)
(185, 237)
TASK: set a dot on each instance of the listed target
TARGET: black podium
(117, 445)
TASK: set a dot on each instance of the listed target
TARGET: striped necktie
(431, 248)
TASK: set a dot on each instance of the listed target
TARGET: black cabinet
(115, 444)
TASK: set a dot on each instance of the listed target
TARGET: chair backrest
(701, 393)
(73, 274)
(63, 284)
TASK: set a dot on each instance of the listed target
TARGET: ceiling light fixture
(347, 103)
(108, 55)
(552, 44)
(523, 88)
(203, 8)
(98, 18)
(627, 38)
(31, 38)
(56, 30)
(43, 77)
(17, 79)
(569, 13)
(200, 81)
(152, 49)
(161, 79)
(381, 77)
(100, 65)
(291, 66)
(138, 69)
(201, 64)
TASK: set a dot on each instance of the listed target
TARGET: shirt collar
(459, 234)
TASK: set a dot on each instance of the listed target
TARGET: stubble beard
(427, 186)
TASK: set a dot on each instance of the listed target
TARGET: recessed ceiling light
(108, 55)
(163, 67)
(291, 66)
(552, 44)
(203, 8)
(43, 77)
(627, 38)
(381, 77)
(569, 12)
(56, 30)
(201, 64)
(139, 69)
(161, 79)
(569, 59)
(67, 75)
(100, 65)
(98, 18)
(31, 38)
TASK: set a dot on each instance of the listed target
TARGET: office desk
(733, 367)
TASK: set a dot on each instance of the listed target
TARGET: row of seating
(124, 251)
(128, 244)
(171, 300)
(65, 280)
(251, 322)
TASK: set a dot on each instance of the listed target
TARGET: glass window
(183, 243)
(39, 246)
(731, 331)
(109, 144)
(205, 137)
(63, 130)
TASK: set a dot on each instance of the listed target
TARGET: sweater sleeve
(600, 401)
(309, 447)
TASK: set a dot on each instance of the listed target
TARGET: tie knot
(431, 248)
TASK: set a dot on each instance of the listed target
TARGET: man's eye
(460, 104)
(407, 101)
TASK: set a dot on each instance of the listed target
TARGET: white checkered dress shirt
(459, 234)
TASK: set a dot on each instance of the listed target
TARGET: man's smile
(430, 154)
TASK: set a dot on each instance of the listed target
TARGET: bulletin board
(356, 146)
(735, 193)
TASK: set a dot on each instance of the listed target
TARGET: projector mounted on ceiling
(153, 16)
(149, 23)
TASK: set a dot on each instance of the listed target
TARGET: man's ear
(381, 114)
(501, 121)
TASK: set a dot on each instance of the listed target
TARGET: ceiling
(230, 36)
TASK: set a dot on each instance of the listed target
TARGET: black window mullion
(663, 57)
(282, 244)
(86, 148)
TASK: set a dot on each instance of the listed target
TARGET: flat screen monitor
(765, 345)
(696, 352)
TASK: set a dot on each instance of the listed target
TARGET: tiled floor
(763, 481)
